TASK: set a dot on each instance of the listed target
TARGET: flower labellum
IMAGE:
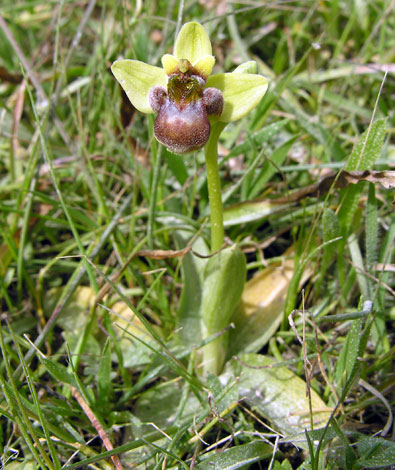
(184, 95)
(182, 124)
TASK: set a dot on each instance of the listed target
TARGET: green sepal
(247, 67)
(241, 93)
(192, 43)
(137, 78)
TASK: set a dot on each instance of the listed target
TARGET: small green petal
(137, 78)
(247, 67)
(204, 66)
(242, 92)
(170, 63)
(192, 43)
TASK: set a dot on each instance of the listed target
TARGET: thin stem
(214, 187)
(154, 191)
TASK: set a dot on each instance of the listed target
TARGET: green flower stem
(214, 187)
(157, 152)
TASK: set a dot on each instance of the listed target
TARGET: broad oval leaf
(236, 457)
(188, 314)
(277, 394)
(250, 211)
(224, 279)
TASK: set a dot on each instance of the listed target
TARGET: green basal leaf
(284, 465)
(104, 377)
(27, 464)
(241, 93)
(58, 371)
(149, 408)
(188, 314)
(348, 359)
(237, 457)
(250, 211)
(368, 148)
(376, 452)
(192, 43)
(137, 78)
(372, 228)
(277, 394)
(224, 280)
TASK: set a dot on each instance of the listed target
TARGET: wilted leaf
(262, 306)
(385, 178)
(73, 322)
(75, 316)
(261, 309)
(10, 77)
(249, 211)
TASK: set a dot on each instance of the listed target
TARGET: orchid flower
(184, 94)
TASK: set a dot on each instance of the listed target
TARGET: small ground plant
(197, 235)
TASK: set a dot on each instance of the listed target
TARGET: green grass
(95, 338)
